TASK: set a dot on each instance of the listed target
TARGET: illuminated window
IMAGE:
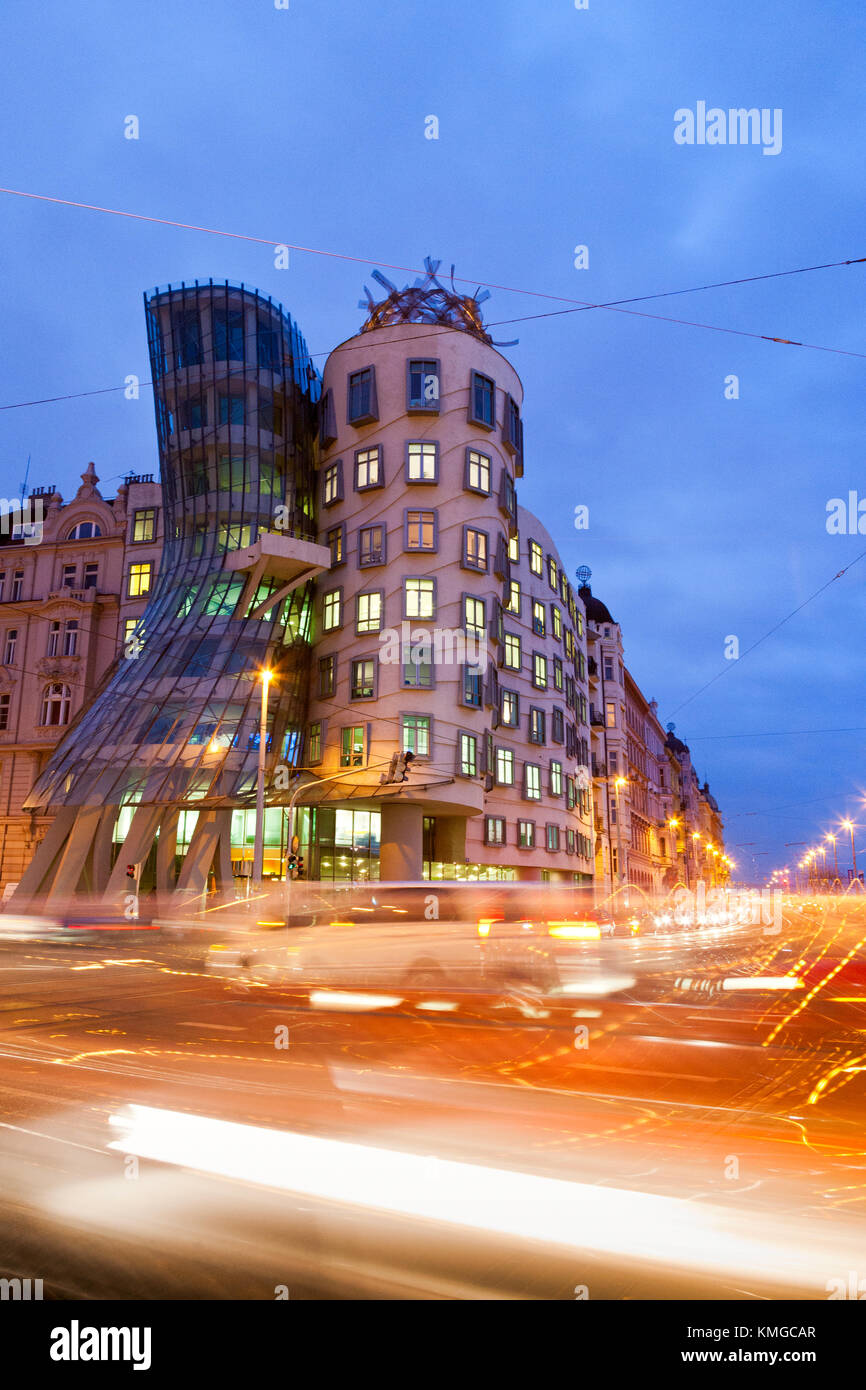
(555, 778)
(552, 837)
(314, 743)
(526, 834)
(477, 472)
(468, 755)
(371, 546)
(144, 524)
(552, 573)
(539, 671)
(368, 468)
(514, 549)
(422, 462)
(510, 708)
(474, 549)
(332, 605)
(363, 678)
(513, 605)
(474, 619)
(335, 541)
(512, 658)
(419, 598)
(536, 557)
(352, 746)
(532, 781)
(610, 714)
(556, 621)
(538, 618)
(415, 733)
(368, 612)
(494, 830)
(536, 726)
(140, 576)
(332, 483)
(420, 530)
(505, 767)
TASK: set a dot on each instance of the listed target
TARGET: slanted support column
(402, 845)
(136, 846)
(39, 874)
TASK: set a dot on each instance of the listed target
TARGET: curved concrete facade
(422, 444)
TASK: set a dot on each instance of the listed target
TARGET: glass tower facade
(176, 721)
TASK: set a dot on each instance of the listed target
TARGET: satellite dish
(583, 575)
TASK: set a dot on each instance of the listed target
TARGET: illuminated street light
(835, 857)
(266, 677)
(849, 825)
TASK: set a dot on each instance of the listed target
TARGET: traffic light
(299, 867)
(398, 768)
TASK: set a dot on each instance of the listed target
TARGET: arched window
(55, 704)
(84, 531)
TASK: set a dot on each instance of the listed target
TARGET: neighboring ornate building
(68, 599)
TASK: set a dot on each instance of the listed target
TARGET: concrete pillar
(39, 874)
(449, 842)
(401, 855)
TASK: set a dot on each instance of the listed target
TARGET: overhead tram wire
(770, 631)
(576, 305)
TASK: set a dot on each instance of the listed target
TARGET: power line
(781, 733)
(769, 633)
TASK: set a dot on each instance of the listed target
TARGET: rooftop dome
(596, 611)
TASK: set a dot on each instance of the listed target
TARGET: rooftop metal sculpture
(427, 301)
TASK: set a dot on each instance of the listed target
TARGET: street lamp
(266, 677)
(849, 825)
(619, 783)
(835, 858)
(674, 826)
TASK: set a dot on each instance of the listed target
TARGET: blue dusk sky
(306, 125)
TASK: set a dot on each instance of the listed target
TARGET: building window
(4, 712)
(552, 573)
(55, 704)
(368, 612)
(473, 687)
(474, 617)
(314, 743)
(363, 681)
(552, 837)
(514, 549)
(536, 557)
(138, 583)
(532, 781)
(556, 622)
(420, 530)
(54, 639)
(536, 725)
(91, 575)
(422, 461)
(608, 668)
(569, 841)
(327, 677)
(268, 345)
(352, 746)
(270, 415)
(129, 633)
(505, 767)
(526, 834)
(418, 667)
(70, 637)
(538, 618)
(192, 413)
(228, 326)
(468, 750)
(144, 524)
(84, 531)
(557, 673)
(332, 606)
(513, 604)
(511, 428)
(512, 658)
(494, 830)
(9, 646)
(477, 477)
(362, 405)
(510, 708)
(415, 734)
(474, 549)
(610, 713)
(368, 468)
(371, 546)
(336, 542)
(231, 410)
(555, 778)
(68, 582)
(187, 339)
(422, 384)
(539, 671)
(332, 483)
(558, 725)
(419, 598)
(482, 401)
